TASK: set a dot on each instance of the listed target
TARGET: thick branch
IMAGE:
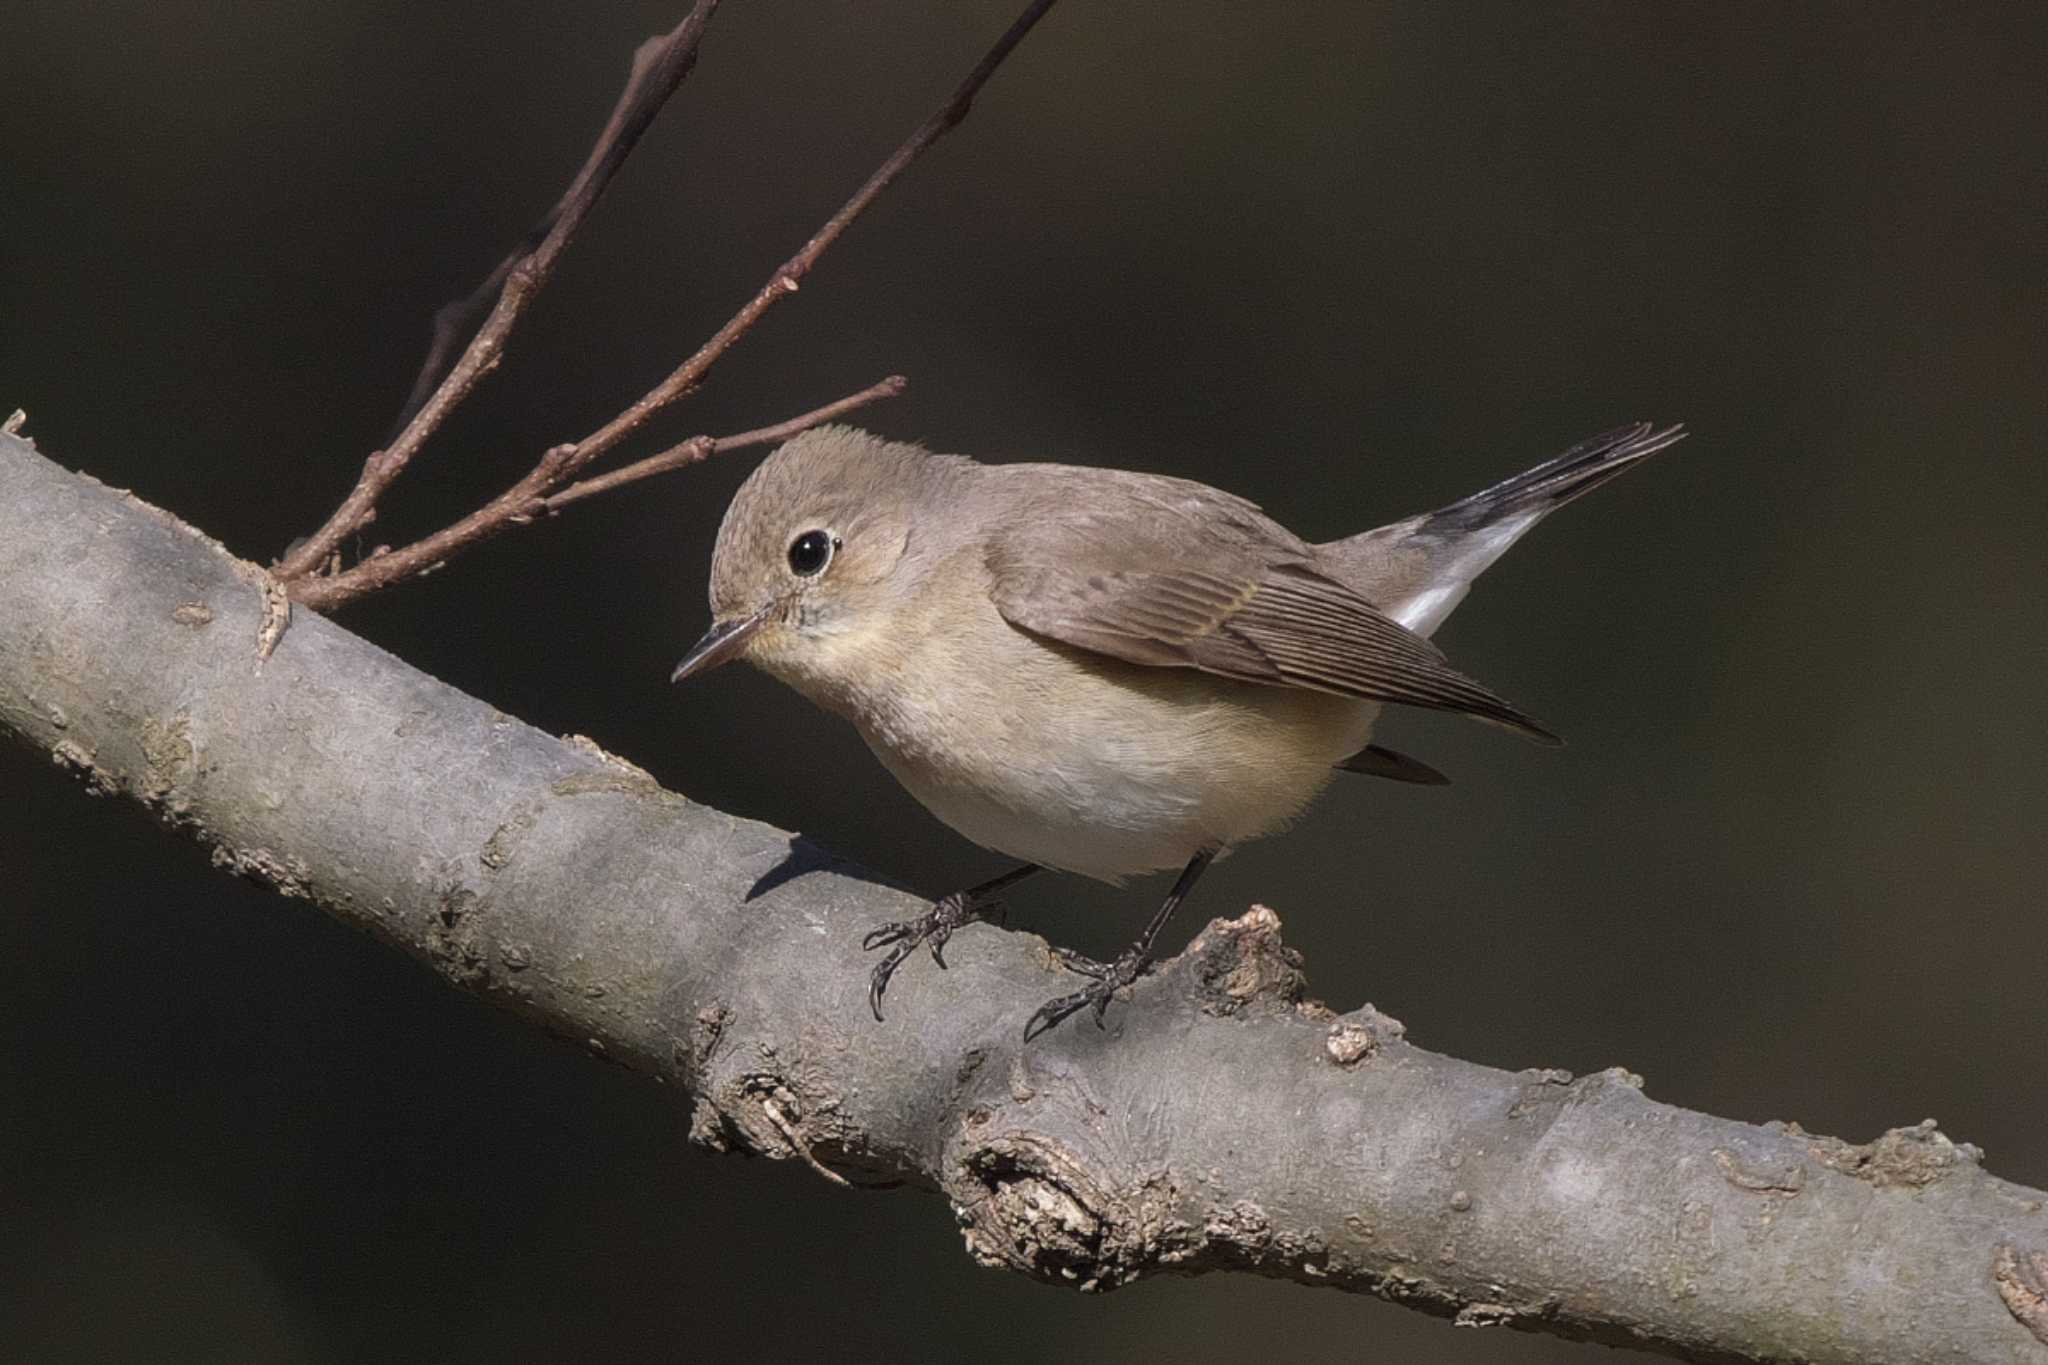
(1222, 1122)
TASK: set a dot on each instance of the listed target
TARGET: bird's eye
(810, 552)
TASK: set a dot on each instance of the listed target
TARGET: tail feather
(1418, 570)
(1554, 483)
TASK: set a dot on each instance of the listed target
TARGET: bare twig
(790, 274)
(530, 496)
(795, 1139)
(699, 448)
(658, 68)
(637, 106)
(535, 496)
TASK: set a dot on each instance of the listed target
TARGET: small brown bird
(1100, 671)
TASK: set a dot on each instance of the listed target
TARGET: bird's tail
(1553, 483)
(1417, 570)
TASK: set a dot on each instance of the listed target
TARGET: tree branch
(1224, 1122)
(699, 448)
(541, 492)
(789, 276)
(560, 464)
(659, 66)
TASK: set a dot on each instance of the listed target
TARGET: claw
(886, 968)
(888, 933)
(1049, 1015)
(906, 935)
(1127, 968)
(1079, 965)
(1110, 977)
(933, 929)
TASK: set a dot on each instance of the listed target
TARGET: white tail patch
(1452, 569)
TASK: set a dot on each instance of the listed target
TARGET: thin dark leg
(934, 927)
(1111, 977)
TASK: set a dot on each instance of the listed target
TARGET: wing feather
(1171, 574)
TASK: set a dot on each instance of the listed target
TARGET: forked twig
(554, 475)
(531, 499)
(637, 105)
(699, 448)
(790, 274)
(659, 66)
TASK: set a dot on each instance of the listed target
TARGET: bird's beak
(722, 643)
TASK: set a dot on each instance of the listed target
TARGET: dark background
(1350, 260)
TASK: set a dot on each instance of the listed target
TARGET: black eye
(810, 552)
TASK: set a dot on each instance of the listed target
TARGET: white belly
(1132, 825)
(1108, 769)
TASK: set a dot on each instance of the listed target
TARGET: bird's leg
(934, 927)
(1111, 977)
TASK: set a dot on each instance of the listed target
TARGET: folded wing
(1173, 574)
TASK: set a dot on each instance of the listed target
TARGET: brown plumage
(1175, 574)
(1097, 670)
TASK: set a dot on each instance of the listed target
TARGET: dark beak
(722, 643)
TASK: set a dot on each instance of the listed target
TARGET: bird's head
(811, 560)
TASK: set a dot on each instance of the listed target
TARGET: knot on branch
(2022, 1279)
(1026, 1203)
(1903, 1158)
(1360, 1035)
(1234, 964)
(768, 1102)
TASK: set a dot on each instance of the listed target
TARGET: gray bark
(1223, 1121)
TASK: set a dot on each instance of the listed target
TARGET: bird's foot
(1110, 977)
(931, 929)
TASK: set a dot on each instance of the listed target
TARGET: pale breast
(1089, 765)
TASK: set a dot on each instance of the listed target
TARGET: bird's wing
(1378, 761)
(1177, 575)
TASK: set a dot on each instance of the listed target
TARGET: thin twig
(529, 497)
(797, 1144)
(789, 276)
(699, 448)
(659, 66)
(638, 102)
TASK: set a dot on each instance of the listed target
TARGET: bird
(1101, 671)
